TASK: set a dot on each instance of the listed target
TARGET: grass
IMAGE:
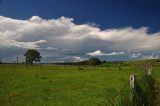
(47, 85)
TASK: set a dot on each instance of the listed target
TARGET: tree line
(34, 56)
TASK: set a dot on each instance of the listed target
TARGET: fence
(141, 92)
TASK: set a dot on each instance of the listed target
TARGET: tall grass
(144, 94)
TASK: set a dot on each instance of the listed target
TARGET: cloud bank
(57, 38)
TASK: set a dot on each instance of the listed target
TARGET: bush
(83, 62)
(94, 61)
(158, 60)
(104, 61)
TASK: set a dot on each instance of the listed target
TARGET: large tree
(32, 56)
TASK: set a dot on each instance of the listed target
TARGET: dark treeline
(73, 63)
(91, 61)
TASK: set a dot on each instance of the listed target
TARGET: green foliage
(94, 61)
(104, 61)
(158, 60)
(32, 56)
(83, 62)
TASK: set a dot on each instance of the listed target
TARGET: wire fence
(112, 99)
(141, 92)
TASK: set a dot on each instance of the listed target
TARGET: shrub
(94, 61)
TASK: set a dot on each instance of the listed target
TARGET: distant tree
(94, 61)
(86, 62)
(104, 61)
(32, 56)
(0, 62)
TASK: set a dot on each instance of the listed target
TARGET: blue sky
(106, 13)
(110, 29)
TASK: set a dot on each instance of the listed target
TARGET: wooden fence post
(149, 71)
(132, 80)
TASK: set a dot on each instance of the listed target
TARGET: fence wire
(111, 100)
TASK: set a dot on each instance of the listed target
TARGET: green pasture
(51, 85)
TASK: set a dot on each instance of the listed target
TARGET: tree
(32, 56)
(94, 61)
(86, 62)
(104, 61)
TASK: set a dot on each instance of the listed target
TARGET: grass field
(49, 85)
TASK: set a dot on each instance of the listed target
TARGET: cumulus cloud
(96, 53)
(64, 34)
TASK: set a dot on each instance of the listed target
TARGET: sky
(72, 30)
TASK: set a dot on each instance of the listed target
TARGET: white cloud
(73, 59)
(115, 53)
(151, 57)
(63, 33)
(99, 53)
(51, 48)
(135, 55)
(77, 59)
(96, 53)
